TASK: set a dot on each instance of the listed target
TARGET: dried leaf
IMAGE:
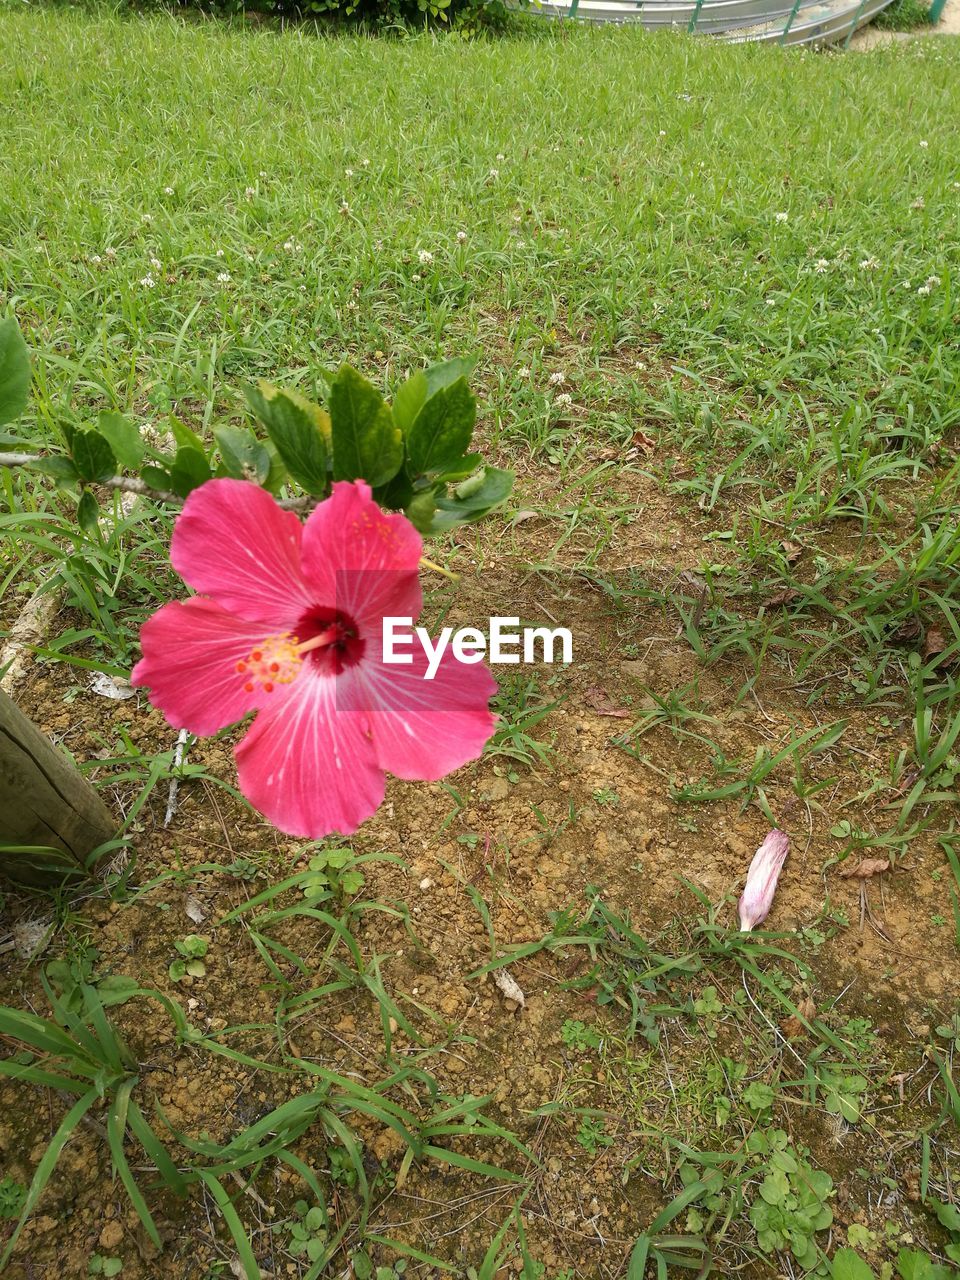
(114, 687)
(786, 596)
(933, 642)
(642, 441)
(807, 1009)
(601, 702)
(793, 1028)
(792, 551)
(509, 987)
(866, 868)
(193, 908)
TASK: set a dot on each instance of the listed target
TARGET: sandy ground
(949, 25)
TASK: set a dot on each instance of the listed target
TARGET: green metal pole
(793, 14)
(936, 11)
(856, 19)
(692, 25)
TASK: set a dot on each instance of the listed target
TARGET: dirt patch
(602, 816)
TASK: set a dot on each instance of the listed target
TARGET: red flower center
(330, 640)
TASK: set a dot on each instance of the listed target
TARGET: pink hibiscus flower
(288, 625)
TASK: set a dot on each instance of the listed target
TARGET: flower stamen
(275, 661)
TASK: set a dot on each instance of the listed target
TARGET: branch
(133, 484)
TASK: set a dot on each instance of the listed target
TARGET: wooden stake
(50, 816)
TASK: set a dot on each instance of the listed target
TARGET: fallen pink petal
(287, 625)
(757, 897)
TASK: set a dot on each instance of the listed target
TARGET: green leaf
(123, 437)
(88, 512)
(420, 511)
(473, 498)
(14, 371)
(948, 1215)
(242, 454)
(443, 429)
(185, 438)
(92, 456)
(848, 1265)
(62, 469)
(409, 400)
(443, 375)
(367, 444)
(190, 470)
(156, 477)
(112, 1266)
(300, 430)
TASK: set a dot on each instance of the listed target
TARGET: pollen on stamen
(274, 662)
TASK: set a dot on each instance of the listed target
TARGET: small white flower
(924, 291)
(263, 173)
(148, 282)
(932, 282)
(494, 173)
(95, 260)
(771, 302)
(639, 364)
(501, 156)
(870, 264)
(344, 207)
(111, 253)
(348, 173)
(821, 265)
(250, 192)
(907, 285)
(557, 379)
(168, 191)
(924, 143)
(663, 133)
(918, 203)
(416, 276)
(156, 264)
(146, 217)
(366, 163)
(461, 237)
(223, 277)
(424, 257)
(783, 217)
(563, 400)
(219, 253)
(523, 372)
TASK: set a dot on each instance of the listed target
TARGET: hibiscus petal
(234, 543)
(190, 652)
(361, 560)
(309, 765)
(427, 728)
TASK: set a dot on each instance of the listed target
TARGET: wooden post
(49, 813)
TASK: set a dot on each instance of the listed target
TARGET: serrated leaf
(92, 456)
(367, 443)
(443, 429)
(123, 437)
(299, 429)
(14, 371)
(472, 499)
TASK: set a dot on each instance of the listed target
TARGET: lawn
(710, 293)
